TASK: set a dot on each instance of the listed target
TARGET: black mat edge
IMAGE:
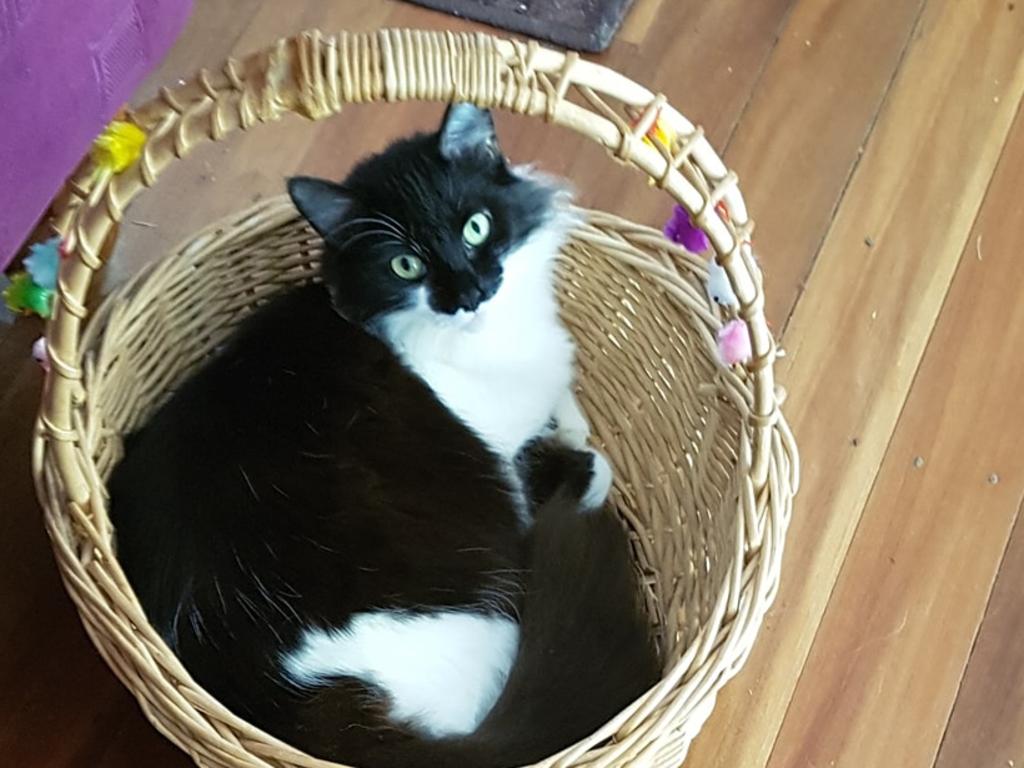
(594, 39)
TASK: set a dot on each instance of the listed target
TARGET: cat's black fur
(305, 474)
(584, 654)
(417, 196)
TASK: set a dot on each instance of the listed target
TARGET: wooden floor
(880, 146)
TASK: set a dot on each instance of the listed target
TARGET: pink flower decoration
(40, 354)
(734, 343)
(681, 230)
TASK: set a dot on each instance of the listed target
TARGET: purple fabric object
(681, 230)
(66, 67)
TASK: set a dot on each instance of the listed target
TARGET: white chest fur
(503, 369)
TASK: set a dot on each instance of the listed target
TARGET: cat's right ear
(323, 203)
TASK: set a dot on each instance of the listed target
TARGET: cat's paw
(600, 484)
(574, 436)
(571, 427)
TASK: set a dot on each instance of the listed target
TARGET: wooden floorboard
(860, 328)
(932, 536)
(61, 706)
(806, 126)
(211, 31)
(895, 641)
(987, 726)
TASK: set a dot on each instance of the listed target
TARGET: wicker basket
(705, 465)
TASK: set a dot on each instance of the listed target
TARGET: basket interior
(643, 355)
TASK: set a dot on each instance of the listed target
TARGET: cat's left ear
(324, 204)
(468, 130)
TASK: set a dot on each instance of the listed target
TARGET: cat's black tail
(585, 649)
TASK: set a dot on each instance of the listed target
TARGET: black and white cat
(354, 525)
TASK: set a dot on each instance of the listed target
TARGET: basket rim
(315, 76)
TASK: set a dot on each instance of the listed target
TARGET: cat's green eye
(477, 228)
(408, 267)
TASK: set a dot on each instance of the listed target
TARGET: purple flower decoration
(681, 230)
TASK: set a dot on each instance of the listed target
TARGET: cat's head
(429, 222)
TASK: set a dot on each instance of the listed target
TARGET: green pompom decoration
(24, 296)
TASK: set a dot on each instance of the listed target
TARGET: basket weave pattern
(705, 465)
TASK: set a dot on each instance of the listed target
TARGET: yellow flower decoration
(660, 131)
(118, 146)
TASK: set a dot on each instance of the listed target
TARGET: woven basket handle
(315, 75)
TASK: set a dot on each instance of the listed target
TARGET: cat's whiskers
(387, 236)
(417, 249)
(397, 225)
(334, 233)
(407, 235)
(397, 230)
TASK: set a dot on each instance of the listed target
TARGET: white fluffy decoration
(719, 290)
